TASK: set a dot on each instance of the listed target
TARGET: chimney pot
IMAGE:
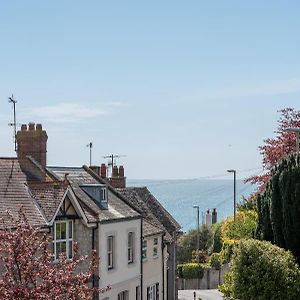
(121, 171)
(24, 127)
(103, 171)
(115, 172)
(31, 126)
(39, 127)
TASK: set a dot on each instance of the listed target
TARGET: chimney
(32, 141)
(214, 216)
(115, 171)
(96, 169)
(118, 180)
(103, 170)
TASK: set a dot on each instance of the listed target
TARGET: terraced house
(81, 204)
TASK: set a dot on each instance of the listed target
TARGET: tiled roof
(48, 196)
(14, 193)
(117, 208)
(152, 210)
(150, 229)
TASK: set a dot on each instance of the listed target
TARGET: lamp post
(234, 191)
(297, 131)
(198, 228)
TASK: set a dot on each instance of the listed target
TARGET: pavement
(203, 294)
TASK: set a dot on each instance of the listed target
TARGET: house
(79, 204)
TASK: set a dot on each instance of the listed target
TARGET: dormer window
(98, 192)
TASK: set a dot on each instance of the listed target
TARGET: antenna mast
(14, 124)
(90, 145)
(112, 158)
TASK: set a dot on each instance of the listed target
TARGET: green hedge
(227, 251)
(260, 270)
(179, 271)
(192, 270)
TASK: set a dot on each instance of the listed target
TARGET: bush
(243, 227)
(215, 261)
(192, 270)
(227, 251)
(188, 242)
(199, 256)
(260, 270)
(217, 239)
(179, 271)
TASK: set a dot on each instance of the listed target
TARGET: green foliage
(244, 226)
(188, 242)
(217, 239)
(199, 256)
(260, 270)
(248, 203)
(215, 261)
(179, 271)
(227, 251)
(226, 287)
(192, 270)
(279, 207)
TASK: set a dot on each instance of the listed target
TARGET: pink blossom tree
(274, 149)
(29, 270)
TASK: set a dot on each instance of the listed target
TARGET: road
(204, 294)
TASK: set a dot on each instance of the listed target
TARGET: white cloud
(66, 112)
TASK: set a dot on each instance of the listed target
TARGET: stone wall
(211, 279)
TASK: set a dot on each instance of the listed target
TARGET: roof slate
(14, 193)
(117, 208)
(152, 210)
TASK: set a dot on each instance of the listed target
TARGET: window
(130, 247)
(103, 194)
(110, 252)
(123, 295)
(138, 293)
(144, 250)
(153, 292)
(155, 247)
(63, 239)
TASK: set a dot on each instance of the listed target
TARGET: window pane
(57, 231)
(156, 241)
(63, 230)
(60, 248)
(70, 229)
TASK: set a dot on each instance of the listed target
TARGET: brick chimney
(32, 141)
(118, 180)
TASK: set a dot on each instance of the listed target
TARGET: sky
(184, 89)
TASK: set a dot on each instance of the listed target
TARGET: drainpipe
(163, 265)
(141, 258)
(174, 265)
(95, 296)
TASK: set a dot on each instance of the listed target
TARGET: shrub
(215, 261)
(188, 242)
(260, 270)
(227, 251)
(243, 227)
(192, 270)
(217, 239)
(199, 256)
(179, 271)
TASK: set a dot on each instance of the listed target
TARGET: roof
(151, 229)
(152, 210)
(14, 193)
(117, 208)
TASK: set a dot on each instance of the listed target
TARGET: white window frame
(124, 295)
(130, 247)
(144, 250)
(110, 252)
(155, 247)
(68, 240)
(153, 292)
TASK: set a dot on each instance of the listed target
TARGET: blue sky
(185, 89)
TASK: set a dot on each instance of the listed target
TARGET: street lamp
(198, 235)
(234, 191)
(297, 131)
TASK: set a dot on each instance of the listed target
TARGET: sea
(179, 196)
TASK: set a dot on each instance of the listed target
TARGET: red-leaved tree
(28, 271)
(276, 148)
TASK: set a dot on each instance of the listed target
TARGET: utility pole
(14, 124)
(198, 229)
(234, 191)
(90, 145)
